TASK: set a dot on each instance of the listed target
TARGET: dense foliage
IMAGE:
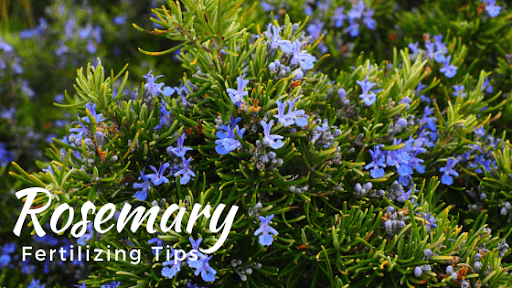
(384, 164)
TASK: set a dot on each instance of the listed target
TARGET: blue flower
(487, 86)
(379, 160)
(459, 91)
(91, 47)
(195, 246)
(448, 171)
(368, 20)
(492, 8)
(185, 172)
(156, 89)
(237, 96)
(430, 49)
(9, 248)
(417, 271)
(158, 177)
(227, 141)
(272, 34)
(414, 49)
(203, 267)
(298, 56)
(112, 284)
(81, 285)
(5, 46)
(6, 156)
(448, 69)
(87, 236)
(27, 268)
(5, 260)
(8, 114)
(92, 110)
(156, 240)
(315, 28)
(175, 268)
(48, 239)
(29, 33)
(164, 117)
(120, 19)
(357, 11)
(429, 122)
(36, 284)
(189, 284)
(339, 17)
(59, 98)
(142, 194)
(429, 221)
(292, 116)
(266, 238)
(353, 28)
(367, 96)
(270, 139)
(183, 92)
(181, 150)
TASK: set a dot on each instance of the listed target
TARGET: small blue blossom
(175, 266)
(272, 140)
(203, 267)
(417, 271)
(266, 238)
(492, 8)
(120, 19)
(27, 268)
(292, 116)
(353, 28)
(448, 171)
(428, 122)
(339, 17)
(414, 49)
(144, 186)
(430, 46)
(158, 177)
(357, 11)
(448, 70)
(298, 56)
(154, 88)
(487, 86)
(237, 96)
(378, 162)
(87, 236)
(112, 284)
(459, 91)
(6, 156)
(59, 98)
(195, 246)
(156, 240)
(429, 221)
(9, 248)
(5, 260)
(181, 150)
(92, 110)
(272, 34)
(368, 20)
(367, 96)
(165, 116)
(315, 28)
(185, 172)
(8, 114)
(227, 141)
(35, 283)
(6, 47)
